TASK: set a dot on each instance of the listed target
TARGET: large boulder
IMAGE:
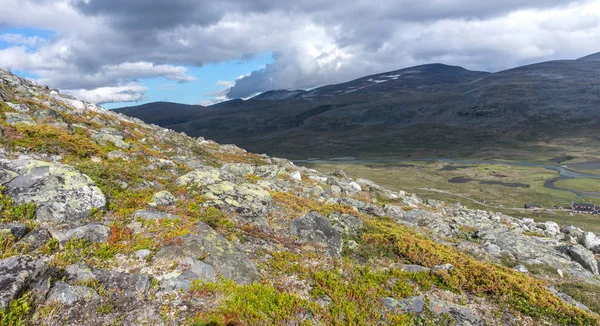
(315, 227)
(111, 135)
(589, 240)
(17, 274)
(214, 250)
(93, 232)
(187, 271)
(61, 192)
(245, 199)
(583, 257)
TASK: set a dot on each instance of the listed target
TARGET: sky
(128, 52)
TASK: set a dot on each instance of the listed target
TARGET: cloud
(101, 95)
(20, 39)
(101, 45)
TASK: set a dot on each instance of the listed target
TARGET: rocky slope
(107, 220)
(429, 110)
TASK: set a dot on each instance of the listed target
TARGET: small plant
(17, 312)
(252, 178)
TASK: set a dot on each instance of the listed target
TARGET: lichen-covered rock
(35, 239)
(17, 274)
(68, 295)
(61, 192)
(314, 227)
(245, 199)
(583, 257)
(238, 169)
(201, 177)
(130, 285)
(13, 118)
(345, 223)
(163, 198)
(219, 253)
(111, 135)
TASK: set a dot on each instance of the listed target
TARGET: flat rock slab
(216, 251)
(154, 215)
(130, 285)
(17, 274)
(68, 295)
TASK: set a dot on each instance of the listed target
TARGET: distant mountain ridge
(427, 110)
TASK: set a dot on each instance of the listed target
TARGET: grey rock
(492, 249)
(363, 207)
(163, 198)
(414, 268)
(324, 301)
(267, 171)
(17, 274)
(188, 270)
(93, 232)
(583, 257)
(249, 201)
(443, 267)
(13, 118)
(130, 285)
(68, 295)
(238, 169)
(573, 231)
(17, 230)
(589, 240)
(18, 107)
(521, 268)
(111, 135)
(36, 239)
(315, 227)
(418, 305)
(118, 154)
(143, 254)
(345, 223)
(154, 215)
(61, 192)
(219, 253)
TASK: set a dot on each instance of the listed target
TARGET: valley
(504, 186)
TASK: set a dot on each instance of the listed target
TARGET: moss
(299, 205)
(17, 312)
(254, 304)
(10, 211)
(52, 140)
(252, 178)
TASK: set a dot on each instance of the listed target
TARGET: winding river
(564, 172)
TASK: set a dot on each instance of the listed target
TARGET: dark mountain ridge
(427, 110)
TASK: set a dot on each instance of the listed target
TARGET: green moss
(17, 312)
(13, 212)
(256, 304)
(49, 139)
(252, 178)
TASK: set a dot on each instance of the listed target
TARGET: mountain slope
(107, 220)
(429, 110)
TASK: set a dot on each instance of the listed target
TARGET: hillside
(107, 220)
(429, 110)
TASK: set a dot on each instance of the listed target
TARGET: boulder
(201, 177)
(111, 135)
(17, 274)
(93, 232)
(589, 240)
(583, 257)
(238, 169)
(315, 227)
(220, 254)
(16, 229)
(130, 285)
(246, 199)
(345, 223)
(36, 239)
(13, 118)
(188, 270)
(163, 198)
(61, 192)
(68, 295)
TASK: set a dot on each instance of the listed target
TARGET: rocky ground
(105, 220)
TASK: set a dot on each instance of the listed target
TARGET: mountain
(106, 220)
(428, 110)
